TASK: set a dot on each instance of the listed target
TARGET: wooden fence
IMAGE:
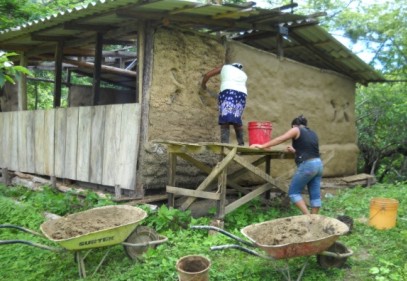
(96, 144)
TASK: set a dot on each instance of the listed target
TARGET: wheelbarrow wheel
(327, 261)
(141, 234)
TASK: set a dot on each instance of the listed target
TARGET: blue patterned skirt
(231, 106)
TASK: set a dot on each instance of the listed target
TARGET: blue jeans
(309, 173)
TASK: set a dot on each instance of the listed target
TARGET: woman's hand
(290, 149)
(255, 146)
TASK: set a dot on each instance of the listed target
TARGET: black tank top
(306, 146)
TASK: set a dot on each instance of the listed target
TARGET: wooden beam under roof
(88, 27)
(105, 68)
(51, 38)
(193, 19)
(187, 8)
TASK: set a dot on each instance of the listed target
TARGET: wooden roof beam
(187, 8)
(202, 20)
(51, 38)
(88, 27)
(104, 68)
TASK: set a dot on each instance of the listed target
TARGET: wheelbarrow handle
(149, 243)
(240, 248)
(21, 229)
(210, 227)
(337, 255)
(53, 249)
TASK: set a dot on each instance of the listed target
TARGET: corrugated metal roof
(305, 42)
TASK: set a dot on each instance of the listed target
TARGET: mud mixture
(294, 230)
(90, 221)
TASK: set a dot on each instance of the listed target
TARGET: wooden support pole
(22, 85)
(6, 176)
(171, 176)
(58, 73)
(222, 179)
(268, 171)
(97, 70)
(141, 44)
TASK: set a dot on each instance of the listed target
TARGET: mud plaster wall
(278, 91)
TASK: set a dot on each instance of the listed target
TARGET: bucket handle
(381, 209)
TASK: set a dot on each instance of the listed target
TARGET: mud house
(155, 54)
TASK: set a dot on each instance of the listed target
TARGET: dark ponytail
(300, 120)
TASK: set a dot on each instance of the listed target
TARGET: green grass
(378, 254)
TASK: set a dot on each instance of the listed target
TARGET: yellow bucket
(383, 213)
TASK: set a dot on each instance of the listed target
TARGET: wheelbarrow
(297, 236)
(95, 228)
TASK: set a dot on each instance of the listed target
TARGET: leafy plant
(170, 218)
(8, 71)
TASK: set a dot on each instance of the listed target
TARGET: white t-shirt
(233, 78)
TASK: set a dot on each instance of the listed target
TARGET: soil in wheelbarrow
(83, 223)
(294, 230)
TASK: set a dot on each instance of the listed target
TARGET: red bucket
(259, 132)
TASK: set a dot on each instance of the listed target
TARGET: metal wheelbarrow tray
(96, 228)
(296, 236)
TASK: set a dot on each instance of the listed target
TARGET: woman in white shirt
(231, 98)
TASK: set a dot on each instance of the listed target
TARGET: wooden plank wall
(97, 144)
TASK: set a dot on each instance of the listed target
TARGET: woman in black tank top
(309, 165)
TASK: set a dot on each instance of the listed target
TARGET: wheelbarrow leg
(303, 269)
(286, 272)
(81, 264)
(101, 261)
(80, 259)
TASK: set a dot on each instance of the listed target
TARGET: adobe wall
(278, 91)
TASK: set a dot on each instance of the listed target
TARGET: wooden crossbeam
(192, 193)
(248, 197)
(208, 170)
(214, 173)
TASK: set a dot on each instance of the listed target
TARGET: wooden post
(172, 159)
(117, 192)
(280, 51)
(268, 171)
(140, 59)
(97, 69)
(6, 176)
(139, 187)
(222, 183)
(58, 74)
(144, 96)
(22, 85)
(54, 182)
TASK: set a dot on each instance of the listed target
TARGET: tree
(382, 119)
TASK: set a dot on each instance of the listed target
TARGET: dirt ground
(294, 230)
(90, 221)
